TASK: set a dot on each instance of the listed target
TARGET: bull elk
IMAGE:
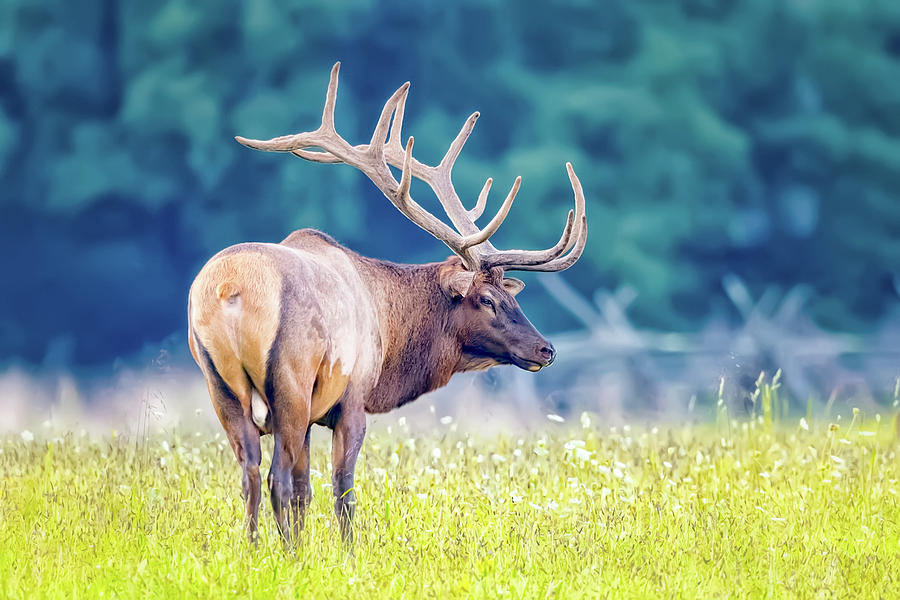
(308, 331)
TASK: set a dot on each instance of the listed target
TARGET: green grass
(733, 510)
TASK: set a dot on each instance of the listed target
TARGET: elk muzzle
(535, 356)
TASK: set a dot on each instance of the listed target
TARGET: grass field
(738, 509)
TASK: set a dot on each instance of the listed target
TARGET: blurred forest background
(728, 149)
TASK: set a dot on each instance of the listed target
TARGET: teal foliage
(760, 138)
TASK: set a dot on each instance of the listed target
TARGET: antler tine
(319, 157)
(425, 219)
(562, 263)
(376, 146)
(476, 212)
(578, 191)
(400, 198)
(456, 147)
(406, 174)
(327, 127)
(494, 224)
(512, 258)
(330, 101)
(325, 133)
(397, 122)
(574, 234)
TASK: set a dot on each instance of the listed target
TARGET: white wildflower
(556, 418)
(27, 436)
(583, 455)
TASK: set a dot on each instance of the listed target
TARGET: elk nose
(548, 353)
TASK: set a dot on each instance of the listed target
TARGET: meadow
(574, 509)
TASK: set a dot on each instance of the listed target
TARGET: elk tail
(227, 291)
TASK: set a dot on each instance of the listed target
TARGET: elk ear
(456, 284)
(513, 285)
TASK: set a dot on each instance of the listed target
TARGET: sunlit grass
(737, 509)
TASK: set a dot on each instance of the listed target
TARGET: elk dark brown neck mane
(307, 331)
(420, 349)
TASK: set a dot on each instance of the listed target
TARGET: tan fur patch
(331, 381)
(235, 306)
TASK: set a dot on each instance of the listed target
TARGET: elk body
(308, 331)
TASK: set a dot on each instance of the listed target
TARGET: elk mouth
(528, 364)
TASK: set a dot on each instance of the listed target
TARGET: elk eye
(485, 301)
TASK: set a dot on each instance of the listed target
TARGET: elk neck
(421, 351)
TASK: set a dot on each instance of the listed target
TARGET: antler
(467, 240)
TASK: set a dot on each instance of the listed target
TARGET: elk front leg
(349, 431)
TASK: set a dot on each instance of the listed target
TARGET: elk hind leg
(232, 406)
(289, 394)
(302, 493)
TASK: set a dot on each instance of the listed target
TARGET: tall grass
(749, 509)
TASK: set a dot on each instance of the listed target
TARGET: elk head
(490, 326)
